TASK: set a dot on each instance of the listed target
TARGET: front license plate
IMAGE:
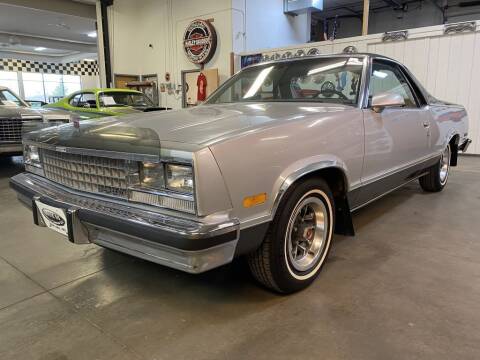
(53, 217)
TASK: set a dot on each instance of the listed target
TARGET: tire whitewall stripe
(328, 204)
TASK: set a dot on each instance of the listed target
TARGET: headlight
(165, 185)
(179, 178)
(151, 175)
(31, 156)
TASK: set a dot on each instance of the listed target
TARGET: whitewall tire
(299, 239)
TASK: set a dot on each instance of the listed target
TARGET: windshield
(120, 99)
(7, 98)
(332, 79)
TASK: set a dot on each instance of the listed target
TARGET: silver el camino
(270, 167)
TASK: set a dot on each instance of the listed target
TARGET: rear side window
(388, 77)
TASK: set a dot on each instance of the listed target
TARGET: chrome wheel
(445, 165)
(307, 233)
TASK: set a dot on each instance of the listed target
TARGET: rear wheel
(437, 176)
(299, 239)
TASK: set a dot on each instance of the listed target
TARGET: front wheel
(299, 239)
(437, 176)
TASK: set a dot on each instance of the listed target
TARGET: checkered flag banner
(89, 68)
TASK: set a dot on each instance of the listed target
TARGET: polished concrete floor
(406, 287)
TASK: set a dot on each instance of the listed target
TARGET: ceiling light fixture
(92, 34)
(90, 60)
(40, 48)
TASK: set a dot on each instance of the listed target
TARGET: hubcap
(307, 233)
(444, 165)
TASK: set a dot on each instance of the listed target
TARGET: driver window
(389, 78)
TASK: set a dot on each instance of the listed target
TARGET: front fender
(302, 168)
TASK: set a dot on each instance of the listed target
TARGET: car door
(396, 138)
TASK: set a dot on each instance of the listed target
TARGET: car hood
(54, 114)
(18, 112)
(200, 126)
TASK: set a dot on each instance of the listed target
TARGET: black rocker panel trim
(369, 192)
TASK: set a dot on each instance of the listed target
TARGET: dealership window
(10, 80)
(40, 87)
(53, 84)
(71, 83)
(33, 86)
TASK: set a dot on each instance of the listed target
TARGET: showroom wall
(146, 38)
(254, 29)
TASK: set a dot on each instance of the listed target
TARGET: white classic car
(270, 167)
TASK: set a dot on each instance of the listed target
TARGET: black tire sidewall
(287, 278)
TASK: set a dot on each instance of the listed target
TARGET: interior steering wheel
(328, 90)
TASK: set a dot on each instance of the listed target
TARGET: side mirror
(386, 99)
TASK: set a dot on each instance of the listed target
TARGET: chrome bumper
(185, 243)
(11, 148)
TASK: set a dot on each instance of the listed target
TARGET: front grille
(11, 130)
(87, 173)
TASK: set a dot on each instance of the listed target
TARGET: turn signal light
(258, 199)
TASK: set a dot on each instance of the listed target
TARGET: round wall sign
(200, 41)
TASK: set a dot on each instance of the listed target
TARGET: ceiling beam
(366, 11)
(66, 7)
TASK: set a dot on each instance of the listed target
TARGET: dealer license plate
(54, 218)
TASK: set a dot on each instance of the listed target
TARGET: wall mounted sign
(300, 53)
(200, 41)
(350, 50)
(395, 35)
(459, 27)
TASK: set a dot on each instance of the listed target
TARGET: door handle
(426, 124)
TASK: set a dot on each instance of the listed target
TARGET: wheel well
(454, 148)
(337, 181)
(334, 177)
